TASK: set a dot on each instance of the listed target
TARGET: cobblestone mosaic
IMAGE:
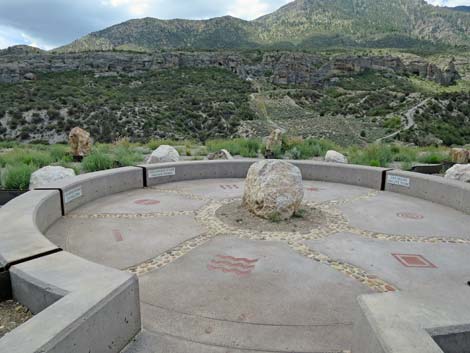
(335, 223)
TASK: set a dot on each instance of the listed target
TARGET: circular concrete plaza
(207, 285)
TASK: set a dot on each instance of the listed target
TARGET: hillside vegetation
(186, 103)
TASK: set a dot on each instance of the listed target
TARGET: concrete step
(151, 342)
(321, 337)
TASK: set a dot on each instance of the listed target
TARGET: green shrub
(375, 155)
(403, 154)
(16, 177)
(294, 153)
(125, 157)
(97, 161)
(433, 157)
(60, 153)
(392, 123)
(310, 147)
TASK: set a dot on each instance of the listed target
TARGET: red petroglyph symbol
(239, 266)
(147, 202)
(313, 189)
(410, 215)
(411, 260)
(117, 235)
(229, 187)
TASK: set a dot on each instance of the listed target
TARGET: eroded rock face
(460, 172)
(49, 174)
(273, 189)
(460, 155)
(164, 154)
(335, 157)
(220, 155)
(80, 142)
(277, 67)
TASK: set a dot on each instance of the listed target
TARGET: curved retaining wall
(446, 192)
(337, 173)
(92, 308)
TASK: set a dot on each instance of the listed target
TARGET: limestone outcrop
(460, 155)
(80, 142)
(273, 142)
(273, 189)
(277, 67)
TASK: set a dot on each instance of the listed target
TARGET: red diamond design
(412, 260)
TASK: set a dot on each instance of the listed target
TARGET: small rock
(49, 174)
(80, 142)
(222, 154)
(164, 154)
(273, 189)
(460, 155)
(30, 76)
(335, 157)
(460, 172)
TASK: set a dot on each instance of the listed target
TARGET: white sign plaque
(398, 180)
(161, 172)
(72, 194)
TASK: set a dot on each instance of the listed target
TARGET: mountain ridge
(301, 23)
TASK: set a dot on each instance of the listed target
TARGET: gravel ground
(238, 216)
(12, 315)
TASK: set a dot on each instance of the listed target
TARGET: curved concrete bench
(337, 173)
(82, 306)
(446, 192)
(22, 222)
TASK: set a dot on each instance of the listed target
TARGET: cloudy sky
(51, 23)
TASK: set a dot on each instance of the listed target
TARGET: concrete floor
(206, 287)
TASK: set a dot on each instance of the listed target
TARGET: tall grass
(26, 156)
(296, 148)
(238, 147)
(374, 155)
(97, 161)
(16, 177)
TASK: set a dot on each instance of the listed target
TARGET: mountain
(461, 8)
(152, 33)
(370, 23)
(301, 23)
(21, 50)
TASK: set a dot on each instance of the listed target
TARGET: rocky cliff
(276, 67)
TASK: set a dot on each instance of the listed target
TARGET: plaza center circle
(212, 280)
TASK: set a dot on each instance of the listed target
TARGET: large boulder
(219, 155)
(459, 155)
(335, 157)
(164, 154)
(273, 189)
(460, 172)
(49, 174)
(273, 142)
(80, 142)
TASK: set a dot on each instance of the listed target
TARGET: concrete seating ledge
(81, 306)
